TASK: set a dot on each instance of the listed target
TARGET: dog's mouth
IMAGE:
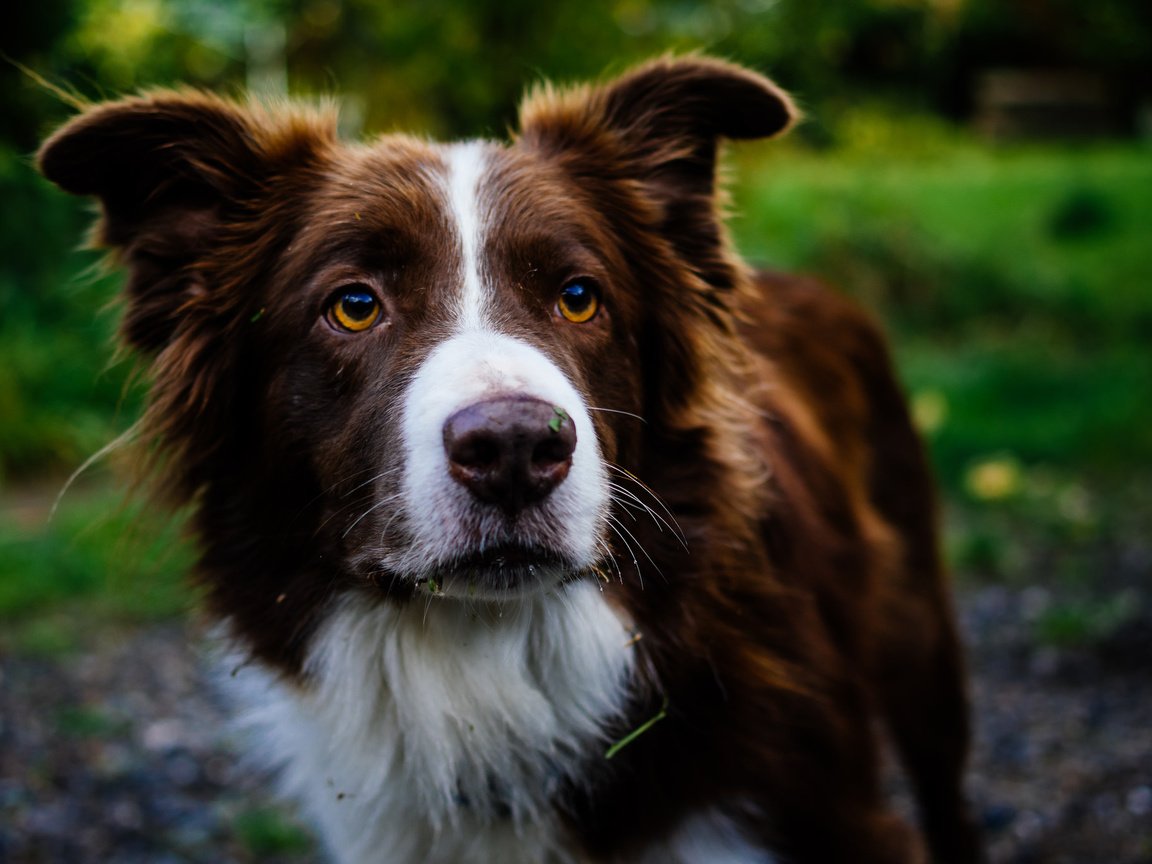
(497, 572)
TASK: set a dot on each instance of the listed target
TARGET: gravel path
(1063, 760)
(119, 752)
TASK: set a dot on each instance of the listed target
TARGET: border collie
(548, 530)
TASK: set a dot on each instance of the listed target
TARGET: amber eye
(354, 309)
(579, 301)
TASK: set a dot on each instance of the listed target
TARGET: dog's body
(548, 531)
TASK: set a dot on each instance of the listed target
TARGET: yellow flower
(929, 410)
(994, 479)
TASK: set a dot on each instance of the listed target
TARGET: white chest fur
(438, 733)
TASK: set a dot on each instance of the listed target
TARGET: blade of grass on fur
(638, 731)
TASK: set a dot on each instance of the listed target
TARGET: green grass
(989, 219)
(265, 832)
(1017, 285)
(1082, 621)
(99, 557)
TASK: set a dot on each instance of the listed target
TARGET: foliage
(449, 67)
(61, 392)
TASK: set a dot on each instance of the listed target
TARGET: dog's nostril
(552, 451)
(510, 451)
(475, 450)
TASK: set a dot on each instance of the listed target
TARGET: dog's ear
(663, 117)
(660, 124)
(643, 149)
(172, 171)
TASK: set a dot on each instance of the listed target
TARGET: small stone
(997, 817)
(1139, 801)
(163, 734)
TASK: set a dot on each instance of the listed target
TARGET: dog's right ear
(172, 171)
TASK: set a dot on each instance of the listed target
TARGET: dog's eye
(354, 309)
(579, 301)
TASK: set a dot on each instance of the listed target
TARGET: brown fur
(812, 598)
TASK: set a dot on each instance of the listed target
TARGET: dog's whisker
(670, 522)
(379, 476)
(337, 512)
(643, 420)
(634, 502)
(634, 539)
(388, 525)
(625, 535)
(630, 510)
(624, 472)
(610, 559)
(347, 506)
(332, 487)
(383, 502)
(631, 554)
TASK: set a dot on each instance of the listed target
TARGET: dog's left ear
(659, 124)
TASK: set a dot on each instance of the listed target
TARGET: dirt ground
(119, 752)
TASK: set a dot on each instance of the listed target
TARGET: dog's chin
(499, 573)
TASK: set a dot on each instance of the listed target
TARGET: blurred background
(979, 172)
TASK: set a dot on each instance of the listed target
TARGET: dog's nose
(511, 451)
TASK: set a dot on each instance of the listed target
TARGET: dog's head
(409, 364)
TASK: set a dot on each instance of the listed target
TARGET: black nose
(511, 451)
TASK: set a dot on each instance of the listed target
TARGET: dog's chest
(441, 732)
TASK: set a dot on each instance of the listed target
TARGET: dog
(548, 529)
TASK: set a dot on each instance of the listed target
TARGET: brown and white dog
(550, 530)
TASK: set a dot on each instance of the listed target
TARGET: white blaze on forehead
(466, 164)
(474, 363)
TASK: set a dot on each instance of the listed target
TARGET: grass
(98, 557)
(1016, 284)
(266, 832)
(1014, 281)
(1081, 621)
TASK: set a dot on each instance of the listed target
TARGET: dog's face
(427, 360)
(438, 340)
